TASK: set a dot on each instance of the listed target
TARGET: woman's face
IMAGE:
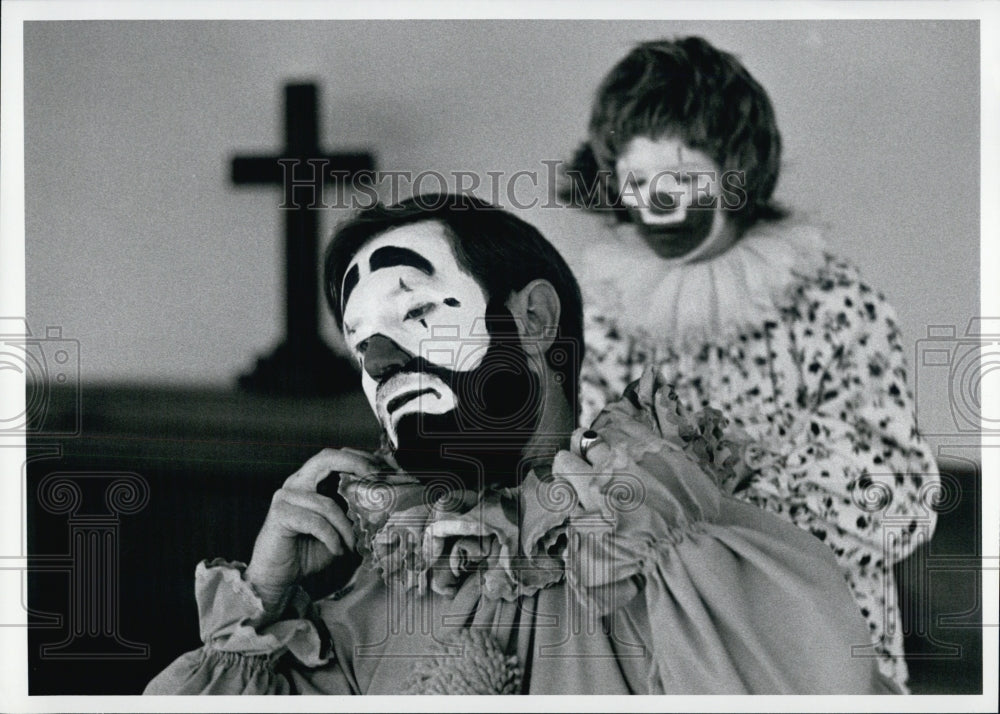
(673, 194)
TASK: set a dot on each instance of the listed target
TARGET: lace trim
(684, 305)
(482, 668)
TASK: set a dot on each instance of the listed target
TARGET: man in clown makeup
(503, 551)
(444, 356)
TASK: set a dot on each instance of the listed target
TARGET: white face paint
(661, 181)
(411, 290)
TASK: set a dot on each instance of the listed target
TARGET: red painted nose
(381, 357)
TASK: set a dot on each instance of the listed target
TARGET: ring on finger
(587, 441)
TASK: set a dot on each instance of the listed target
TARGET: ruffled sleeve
(737, 601)
(246, 644)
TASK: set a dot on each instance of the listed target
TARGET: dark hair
(689, 90)
(501, 251)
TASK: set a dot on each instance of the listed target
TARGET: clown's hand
(304, 531)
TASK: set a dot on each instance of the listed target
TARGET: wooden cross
(302, 364)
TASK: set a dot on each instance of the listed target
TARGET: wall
(138, 246)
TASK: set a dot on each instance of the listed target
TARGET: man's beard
(498, 404)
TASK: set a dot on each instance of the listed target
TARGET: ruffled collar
(429, 534)
(686, 305)
(426, 534)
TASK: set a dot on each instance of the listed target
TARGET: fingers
(330, 461)
(566, 463)
(315, 514)
(310, 523)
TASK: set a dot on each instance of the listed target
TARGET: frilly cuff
(728, 454)
(662, 477)
(660, 461)
(233, 617)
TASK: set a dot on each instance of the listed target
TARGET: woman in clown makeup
(744, 311)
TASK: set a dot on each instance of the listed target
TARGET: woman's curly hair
(689, 90)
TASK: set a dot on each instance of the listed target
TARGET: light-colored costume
(640, 574)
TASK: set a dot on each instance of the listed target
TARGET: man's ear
(536, 310)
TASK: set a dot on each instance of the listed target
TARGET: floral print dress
(807, 360)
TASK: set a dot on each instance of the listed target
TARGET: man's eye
(419, 311)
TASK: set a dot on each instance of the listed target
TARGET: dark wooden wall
(209, 462)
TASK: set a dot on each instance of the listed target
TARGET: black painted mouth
(674, 240)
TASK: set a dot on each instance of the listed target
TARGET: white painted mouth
(401, 399)
(654, 218)
(410, 393)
